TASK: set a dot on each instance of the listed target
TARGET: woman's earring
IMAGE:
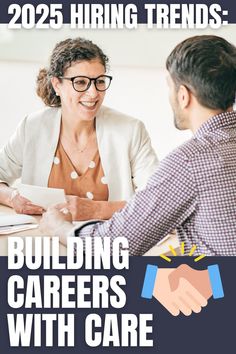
(57, 94)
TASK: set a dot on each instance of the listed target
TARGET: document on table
(10, 223)
(42, 196)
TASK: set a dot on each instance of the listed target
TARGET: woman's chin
(88, 113)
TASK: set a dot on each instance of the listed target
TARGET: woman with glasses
(97, 155)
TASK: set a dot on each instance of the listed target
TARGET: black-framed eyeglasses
(82, 83)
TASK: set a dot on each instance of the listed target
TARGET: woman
(98, 155)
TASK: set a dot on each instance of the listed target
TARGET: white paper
(16, 219)
(17, 228)
(10, 223)
(42, 196)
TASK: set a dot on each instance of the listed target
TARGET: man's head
(203, 67)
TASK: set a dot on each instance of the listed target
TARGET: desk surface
(161, 248)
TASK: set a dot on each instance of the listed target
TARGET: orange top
(91, 184)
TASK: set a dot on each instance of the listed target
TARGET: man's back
(211, 160)
(192, 190)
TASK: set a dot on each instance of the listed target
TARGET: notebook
(11, 223)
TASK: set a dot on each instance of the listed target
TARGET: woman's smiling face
(83, 105)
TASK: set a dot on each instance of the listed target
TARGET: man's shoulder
(192, 148)
(175, 166)
(182, 154)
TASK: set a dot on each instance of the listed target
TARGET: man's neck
(200, 115)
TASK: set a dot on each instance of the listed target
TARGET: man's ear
(183, 96)
(55, 84)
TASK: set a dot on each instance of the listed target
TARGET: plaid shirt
(193, 190)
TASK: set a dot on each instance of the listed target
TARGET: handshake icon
(183, 289)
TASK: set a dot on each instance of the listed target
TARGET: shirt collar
(225, 119)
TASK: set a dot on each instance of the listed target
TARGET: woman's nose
(92, 89)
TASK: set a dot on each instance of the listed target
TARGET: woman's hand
(24, 206)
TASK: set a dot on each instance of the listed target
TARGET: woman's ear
(183, 96)
(56, 85)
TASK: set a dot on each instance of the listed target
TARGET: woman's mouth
(88, 104)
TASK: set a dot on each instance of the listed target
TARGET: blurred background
(137, 63)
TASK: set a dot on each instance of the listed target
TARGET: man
(194, 188)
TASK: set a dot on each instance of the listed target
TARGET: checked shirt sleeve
(167, 201)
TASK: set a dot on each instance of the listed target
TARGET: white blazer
(124, 145)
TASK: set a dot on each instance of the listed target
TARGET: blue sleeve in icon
(216, 283)
(149, 281)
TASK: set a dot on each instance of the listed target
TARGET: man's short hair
(206, 65)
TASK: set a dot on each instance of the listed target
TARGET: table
(161, 248)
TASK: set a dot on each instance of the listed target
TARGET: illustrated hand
(198, 278)
(186, 298)
(24, 206)
(54, 222)
(80, 208)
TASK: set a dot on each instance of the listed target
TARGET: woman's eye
(80, 82)
(100, 81)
